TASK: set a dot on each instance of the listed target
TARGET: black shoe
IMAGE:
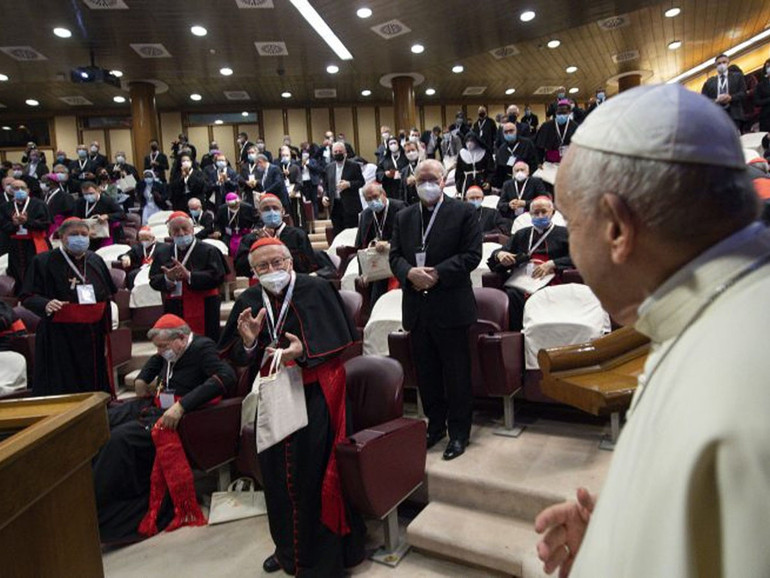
(454, 449)
(271, 564)
(433, 438)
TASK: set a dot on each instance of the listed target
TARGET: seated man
(518, 192)
(234, 220)
(490, 220)
(104, 209)
(271, 213)
(203, 221)
(185, 374)
(375, 228)
(140, 254)
(13, 366)
(313, 528)
(544, 247)
(188, 274)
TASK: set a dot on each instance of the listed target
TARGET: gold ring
(567, 548)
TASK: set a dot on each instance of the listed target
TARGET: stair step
(225, 308)
(484, 539)
(130, 378)
(141, 351)
(314, 237)
(321, 246)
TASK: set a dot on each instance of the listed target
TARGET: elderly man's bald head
(429, 170)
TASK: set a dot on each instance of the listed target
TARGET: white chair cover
(111, 253)
(345, 238)
(450, 191)
(3, 263)
(369, 171)
(159, 231)
(348, 282)
(385, 319)
(219, 245)
(547, 173)
(115, 315)
(486, 253)
(490, 201)
(142, 295)
(750, 155)
(525, 220)
(13, 372)
(561, 315)
(752, 141)
(159, 218)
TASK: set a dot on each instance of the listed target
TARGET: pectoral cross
(73, 283)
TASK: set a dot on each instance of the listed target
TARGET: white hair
(169, 334)
(428, 163)
(678, 201)
(286, 253)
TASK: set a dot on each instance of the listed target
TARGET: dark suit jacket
(351, 172)
(556, 246)
(453, 248)
(160, 169)
(196, 184)
(367, 230)
(523, 150)
(533, 187)
(736, 88)
(274, 184)
(491, 221)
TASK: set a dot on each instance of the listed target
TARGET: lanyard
(146, 254)
(189, 252)
(234, 216)
(82, 164)
(523, 188)
(24, 210)
(560, 135)
(90, 210)
(430, 223)
(273, 326)
(539, 241)
(170, 365)
(380, 228)
(252, 168)
(722, 89)
(51, 195)
(81, 276)
(153, 158)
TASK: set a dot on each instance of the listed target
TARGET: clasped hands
(517, 203)
(249, 327)
(176, 273)
(19, 219)
(423, 278)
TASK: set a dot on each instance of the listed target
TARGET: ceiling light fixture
(458, 68)
(116, 73)
(195, 97)
(3, 77)
(574, 90)
(332, 69)
(554, 43)
(199, 30)
(729, 52)
(366, 92)
(226, 71)
(674, 45)
(244, 113)
(322, 28)
(510, 91)
(119, 99)
(286, 94)
(6, 127)
(418, 48)
(571, 69)
(31, 102)
(364, 12)
(219, 121)
(62, 32)
(672, 12)
(430, 91)
(527, 16)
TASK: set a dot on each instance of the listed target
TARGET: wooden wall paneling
(421, 118)
(66, 132)
(14, 156)
(297, 125)
(273, 128)
(368, 132)
(93, 134)
(198, 136)
(223, 135)
(285, 118)
(432, 116)
(260, 124)
(308, 125)
(250, 129)
(120, 140)
(319, 123)
(170, 127)
(356, 144)
(387, 118)
(343, 123)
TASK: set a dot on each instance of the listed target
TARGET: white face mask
(721, 68)
(393, 147)
(275, 282)
(429, 192)
(412, 155)
(186, 164)
(169, 355)
(520, 176)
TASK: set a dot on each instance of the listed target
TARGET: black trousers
(516, 301)
(310, 192)
(443, 362)
(342, 219)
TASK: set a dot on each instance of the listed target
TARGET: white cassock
(688, 491)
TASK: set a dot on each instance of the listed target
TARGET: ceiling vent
(271, 48)
(75, 100)
(391, 29)
(247, 4)
(237, 95)
(325, 93)
(626, 56)
(151, 50)
(614, 23)
(546, 90)
(474, 90)
(22, 53)
(504, 51)
(106, 4)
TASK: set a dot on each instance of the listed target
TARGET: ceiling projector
(93, 74)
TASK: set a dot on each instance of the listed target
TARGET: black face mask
(482, 114)
(154, 147)
(512, 118)
(339, 157)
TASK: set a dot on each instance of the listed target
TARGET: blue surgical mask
(562, 118)
(183, 241)
(476, 203)
(252, 158)
(541, 222)
(60, 159)
(82, 154)
(148, 181)
(78, 244)
(600, 96)
(510, 137)
(195, 212)
(221, 164)
(20, 194)
(560, 95)
(90, 198)
(271, 218)
(376, 205)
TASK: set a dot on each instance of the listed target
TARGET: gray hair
(262, 157)
(431, 163)
(373, 185)
(286, 253)
(339, 143)
(169, 334)
(678, 201)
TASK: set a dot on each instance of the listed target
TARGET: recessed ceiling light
(674, 45)
(119, 99)
(219, 121)
(199, 30)
(364, 12)
(62, 32)
(430, 91)
(458, 68)
(3, 77)
(321, 28)
(332, 69)
(418, 48)
(6, 127)
(510, 91)
(366, 92)
(554, 43)
(672, 12)
(244, 113)
(286, 95)
(225, 71)
(31, 102)
(574, 90)
(116, 73)
(571, 69)
(527, 15)
(195, 97)
(84, 74)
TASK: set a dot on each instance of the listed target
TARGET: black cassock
(104, 206)
(199, 301)
(70, 357)
(295, 239)
(23, 244)
(122, 468)
(551, 138)
(60, 206)
(293, 470)
(233, 226)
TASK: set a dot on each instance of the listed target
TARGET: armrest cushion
(210, 434)
(120, 342)
(400, 349)
(493, 280)
(501, 357)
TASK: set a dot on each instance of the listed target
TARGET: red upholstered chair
(497, 355)
(345, 253)
(353, 306)
(25, 344)
(7, 288)
(307, 209)
(329, 231)
(496, 238)
(123, 296)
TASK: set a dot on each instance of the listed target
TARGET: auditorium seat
(123, 296)
(7, 288)
(353, 303)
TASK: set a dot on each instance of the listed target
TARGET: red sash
(16, 327)
(38, 238)
(193, 307)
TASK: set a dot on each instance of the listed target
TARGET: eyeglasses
(509, 132)
(275, 264)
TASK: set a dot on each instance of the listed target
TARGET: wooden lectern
(48, 522)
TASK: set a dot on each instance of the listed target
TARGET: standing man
(156, 161)
(486, 129)
(244, 144)
(341, 185)
(436, 244)
(686, 492)
(103, 209)
(727, 89)
(513, 150)
(98, 160)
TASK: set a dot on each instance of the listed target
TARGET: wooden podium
(48, 522)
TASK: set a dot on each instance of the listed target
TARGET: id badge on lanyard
(86, 294)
